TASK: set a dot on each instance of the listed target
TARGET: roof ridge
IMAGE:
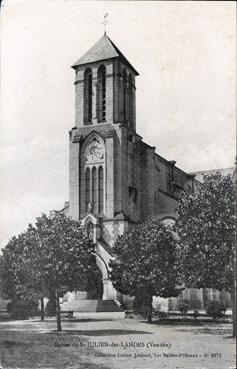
(121, 54)
(103, 49)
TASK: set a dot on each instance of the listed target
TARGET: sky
(185, 55)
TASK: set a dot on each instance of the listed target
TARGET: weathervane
(105, 22)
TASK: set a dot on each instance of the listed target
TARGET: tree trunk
(149, 318)
(233, 289)
(233, 295)
(233, 304)
(59, 327)
(42, 308)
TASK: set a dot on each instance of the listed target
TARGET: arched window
(94, 190)
(130, 100)
(101, 189)
(125, 96)
(88, 96)
(101, 94)
(88, 185)
(92, 186)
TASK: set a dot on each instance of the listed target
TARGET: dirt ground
(118, 344)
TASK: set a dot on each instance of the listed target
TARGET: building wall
(139, 183)
(198, 298)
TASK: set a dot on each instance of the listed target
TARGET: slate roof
(102, 50)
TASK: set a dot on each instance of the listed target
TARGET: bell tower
(104, 87)
(104, 110)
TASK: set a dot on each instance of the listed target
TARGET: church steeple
(104, 133)
(105, 86)
(104, 49)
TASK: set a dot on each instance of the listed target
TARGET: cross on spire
(105, 22)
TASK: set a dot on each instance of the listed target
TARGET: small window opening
(132, 194)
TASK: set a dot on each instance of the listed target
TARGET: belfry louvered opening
(88, 96)
(101, 94)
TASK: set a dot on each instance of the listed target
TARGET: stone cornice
(109, 134)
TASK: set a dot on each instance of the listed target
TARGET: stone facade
(115, 179)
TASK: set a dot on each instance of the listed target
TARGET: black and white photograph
(118, 184)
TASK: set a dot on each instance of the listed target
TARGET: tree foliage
(16, 272)
(205, 227)
(47, 260)
(145, 262)
(63, 253)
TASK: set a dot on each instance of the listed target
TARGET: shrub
(141, 306)
(50, 308)
(138, 303)
(183, 307)
(196, 314)
(144, 311)
(20, 309)
(162, 314)
(216, 309)
(195, 304)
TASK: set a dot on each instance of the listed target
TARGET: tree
(205, 227)
(56, 254)
(145, 262)
(17, 276)
(64, 254)
(22, 278)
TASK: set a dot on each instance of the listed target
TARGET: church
(115, 179)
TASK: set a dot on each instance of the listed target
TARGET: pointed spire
(104, 49)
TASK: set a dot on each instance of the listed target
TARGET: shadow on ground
(187, 322)
(74, 320)
(98, 332)
(212, 331)
(8, 344)
(34, 350)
